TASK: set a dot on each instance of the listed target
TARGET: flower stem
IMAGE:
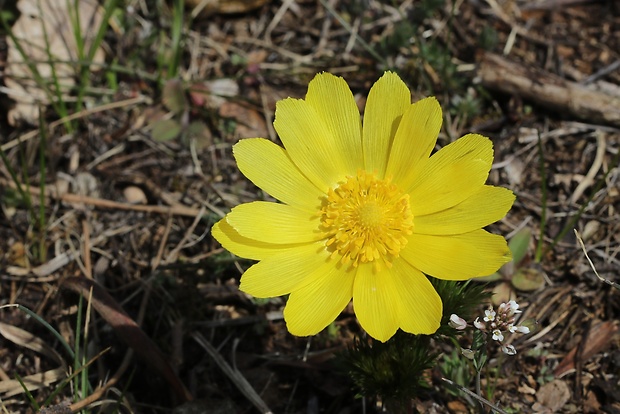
(478, 389)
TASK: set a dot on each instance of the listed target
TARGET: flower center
(365, 219)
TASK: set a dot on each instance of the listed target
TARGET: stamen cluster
(495, 323)
(366, 219)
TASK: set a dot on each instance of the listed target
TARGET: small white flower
(514, 306)
(497, 335)
(522, 329)
(457, 322)
(512, 328)
(489, 315)
(509, 350)
(502, 308)
(479, 325)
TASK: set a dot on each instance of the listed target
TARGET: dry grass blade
(32, 382)
(9, 388)
(42, 272)
(27, 340)
(78, 115)
(602, 279)
(128, 331)
(474, 395)
(589, 179)
(234, 375)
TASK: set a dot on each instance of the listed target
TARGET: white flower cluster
(496, 323)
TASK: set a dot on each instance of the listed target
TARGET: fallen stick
(548, 90)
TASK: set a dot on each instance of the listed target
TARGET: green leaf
(528, 279)
(519, 244)
(173, 96)
(165, 130)
(199, 131)
(491, 278)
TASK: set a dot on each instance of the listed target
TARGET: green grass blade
(42, 176)
(24, 194)
(57, 91)
(27, 392)
(86, 61)
(177, 31)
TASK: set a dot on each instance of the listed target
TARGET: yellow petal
(242, 246)
(375, 301)
(274, 223)
(451, 175)
(333, 101)
(484, 207)
(312, 307)
(309, 143)
(414, 140)
(457, 257)
(420, 308)
(283, 272)
(270, 168)
(387, 101)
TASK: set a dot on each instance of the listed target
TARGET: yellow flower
(365, 210)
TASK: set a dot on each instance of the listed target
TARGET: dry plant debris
(131, 215)
(45, 44)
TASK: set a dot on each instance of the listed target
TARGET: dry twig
(549, 90)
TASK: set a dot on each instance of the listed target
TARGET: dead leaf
(551, 397)
(592, 404)
(599, 337)
(502, 293)
(457, 407)
(45, 33)
(514, 171)
(17, 255)
(213, 94)
(86, 184)
(250, 123)
(256, 57)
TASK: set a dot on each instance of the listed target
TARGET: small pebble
(134, 195)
